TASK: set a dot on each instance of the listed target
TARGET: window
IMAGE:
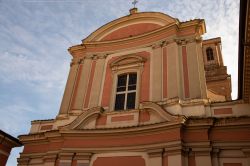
(210, 55)
(126, 91)
(126, 75)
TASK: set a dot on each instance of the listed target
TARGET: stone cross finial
(134, 2)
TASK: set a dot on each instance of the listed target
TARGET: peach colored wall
(119, 161)
(102, 120)
(144, 116)
(87, 142)
(46, 127)
(230, 135)
(90, 84)
(197, 135)
(122, 118)
(232, 164)
(131, 30)
(220, 111)
(185, 71)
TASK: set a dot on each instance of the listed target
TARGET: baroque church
(144, 90)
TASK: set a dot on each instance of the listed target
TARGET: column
(82, 159)
(202, 156)
(175, 156)
(215, 157)
(173, 72)
(247, 154)
(156, 86)
(50, 159)
(155, 157)
(65, 159)
(82, 84)
(23, 161)
(69, 87)
(195, 71)
(97, 82)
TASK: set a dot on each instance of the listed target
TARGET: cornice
(76, 50)
(126, 131)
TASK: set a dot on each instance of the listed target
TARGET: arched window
(126, 91)
(210, 54)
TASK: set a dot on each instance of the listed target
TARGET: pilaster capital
(173, 150)
(97, 56)
(50, 157)
(198, 39)
(23, 161)
(66, 155)
(246, 152)
(215, 152)
(202, 151)
(76, 61)
(155, 153)
(185, 41)
(181, 41)
(83, 156)
(156, 45)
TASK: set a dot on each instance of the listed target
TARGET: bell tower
(217, 80)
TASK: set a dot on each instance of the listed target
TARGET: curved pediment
(127, 60)
(130, 26)
(95, 118)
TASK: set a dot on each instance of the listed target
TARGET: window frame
(126, 91)
(118, 68)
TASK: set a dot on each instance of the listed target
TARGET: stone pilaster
(155, 157)
(68, 93)
(202, 156)
(156, 62)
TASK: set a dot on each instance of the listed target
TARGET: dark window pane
(119, 101)
(210, 55)
(131, 100)
(132, 87)
(122, 79)
(132, 78)
(120, 89)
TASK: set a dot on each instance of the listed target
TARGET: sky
(35, 36)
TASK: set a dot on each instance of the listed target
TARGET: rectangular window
(126, 91)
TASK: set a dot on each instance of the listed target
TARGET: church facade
(144, 90)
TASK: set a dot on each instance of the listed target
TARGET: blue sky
(35, 36)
